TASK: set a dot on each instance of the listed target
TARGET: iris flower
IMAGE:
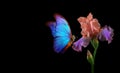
(91, 29)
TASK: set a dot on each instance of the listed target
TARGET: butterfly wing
(61, 33)
(60, 43)
(62, 27)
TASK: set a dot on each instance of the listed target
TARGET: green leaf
(90, 57)
(95, 43)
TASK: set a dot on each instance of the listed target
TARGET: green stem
(95, 44)
(92, 68)
(94, 54)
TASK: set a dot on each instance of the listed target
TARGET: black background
(41, 52)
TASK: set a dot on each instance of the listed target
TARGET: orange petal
(90, 16)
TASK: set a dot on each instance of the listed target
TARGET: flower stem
(95, 44)
(92, 68)
(92, 65)
(94, 54)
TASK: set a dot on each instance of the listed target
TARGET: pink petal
(90, 16)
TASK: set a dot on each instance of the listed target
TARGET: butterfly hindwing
(60, 43)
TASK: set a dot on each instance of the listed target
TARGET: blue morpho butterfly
(61, 33)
